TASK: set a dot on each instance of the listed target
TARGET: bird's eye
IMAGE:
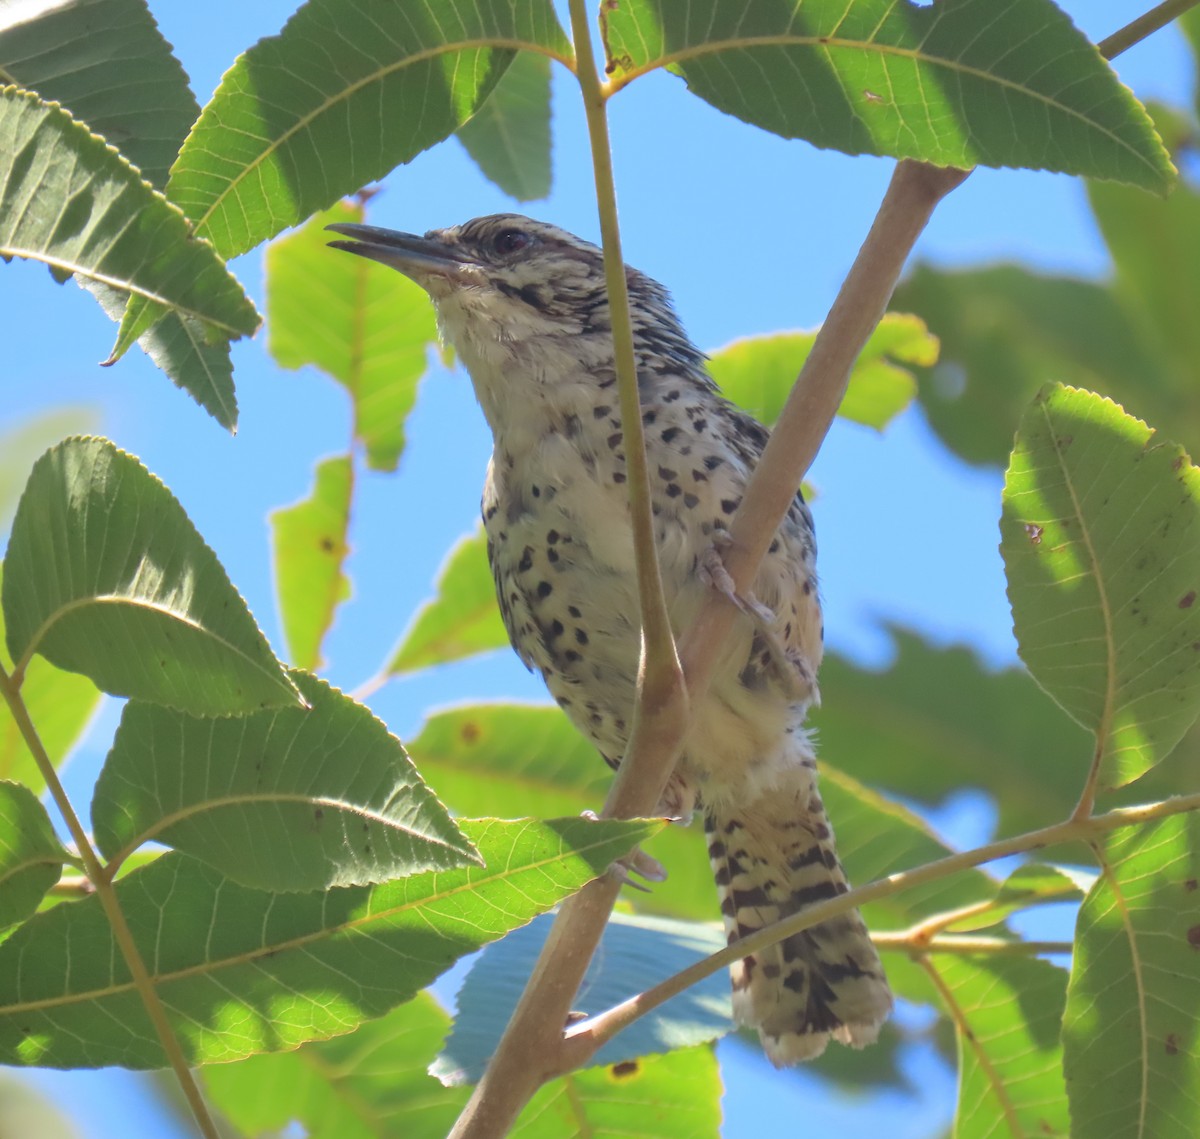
(510, 241)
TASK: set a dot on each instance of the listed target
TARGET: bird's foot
(795, 676)
(636, 862)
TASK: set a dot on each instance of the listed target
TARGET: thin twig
(530, 1051)
(595, 1032)
(968, 945)
(1146, 24)
(112, 908)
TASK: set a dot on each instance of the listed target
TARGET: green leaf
(676, 1096)
(1007, 1011)
(1189, 24)
(59, 704)
(289, 799)
(877, 837)
(31, 858)
(1032, 884)
(138, 319)
(509, 136)
(757, 373)
(109, 65)
(24, 441)
(242, 971)
(106, 62)
(957, 83)
(366, 327)
(287, 134)
(462, 619)
(1006, 331)
(366, 1085)
(68, 199)
(511, 759)
(310, 549)
(1101, 543)
(505, 758)
(1130, 1048)
(634, 954)
(937, 720)
(1157, 281)
(183, 348)
(135, 600)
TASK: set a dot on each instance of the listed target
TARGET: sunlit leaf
(1101, 544)
(108, 64)
(31, 858)
(366, 326)
(310, 548)
(498, 757)
(1130, 1040)
(510, 760)
(461, 619)
(634, 953)
(71, 201)
(757, 373)
(1031, 884)
(677, 1096)
(369, 1084)
(342, 95)
(183, 348)
(287, 799)
(242, 971)
(1007, 1011)
(956, 83)
(509, 136)
(137, 601)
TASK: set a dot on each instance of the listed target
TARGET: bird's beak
(425, 260)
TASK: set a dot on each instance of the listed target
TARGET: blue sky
(751, 234)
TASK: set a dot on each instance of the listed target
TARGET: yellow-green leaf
(310, 547)
(1101, 544)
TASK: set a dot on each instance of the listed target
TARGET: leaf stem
(1146, 24)
(102, 883)
(585, 1038)
(970, 1040)
(661, 680)
(966, 945)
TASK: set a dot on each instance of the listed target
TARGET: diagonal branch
(585, 1038)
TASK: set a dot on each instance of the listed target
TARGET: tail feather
(772, 858)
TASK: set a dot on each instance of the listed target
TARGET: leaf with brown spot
(1131, 1034)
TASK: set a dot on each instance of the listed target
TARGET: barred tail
(771, 858)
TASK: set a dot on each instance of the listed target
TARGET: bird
(524, 306)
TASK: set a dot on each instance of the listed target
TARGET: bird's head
(508, 277)
(524, 301)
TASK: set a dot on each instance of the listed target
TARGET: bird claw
(636, 862)
(713, 573)
(795, 677)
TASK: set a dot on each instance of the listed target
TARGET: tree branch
(585, 1038)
